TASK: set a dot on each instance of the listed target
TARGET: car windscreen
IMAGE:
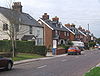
(71, 48)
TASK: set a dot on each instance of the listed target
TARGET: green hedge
(5, 46)
(23, 47)
(41, 50)
(65, 47)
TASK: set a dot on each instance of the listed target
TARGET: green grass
(94, 72)
(24, 56)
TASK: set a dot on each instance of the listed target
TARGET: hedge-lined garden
(22, 47)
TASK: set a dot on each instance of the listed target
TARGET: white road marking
(42, 66)
(64, 60)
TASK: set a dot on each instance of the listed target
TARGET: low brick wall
(60, 51)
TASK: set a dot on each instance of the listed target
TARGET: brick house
(72, 34)
(89, 35)
(54, 32)
(78, 35)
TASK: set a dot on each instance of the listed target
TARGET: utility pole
(88, 27)
(88, 36)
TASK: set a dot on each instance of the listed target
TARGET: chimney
(68, 25)
(56, 19)
(17, 6)
(87, 31)
(72, 25)
(45, 16)
(80, 28)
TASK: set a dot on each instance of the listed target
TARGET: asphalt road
(73, 65)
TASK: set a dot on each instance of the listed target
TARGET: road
(73, 65)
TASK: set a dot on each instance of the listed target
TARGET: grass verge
(23, 56)
(94, 72)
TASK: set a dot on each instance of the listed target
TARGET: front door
(54, 43)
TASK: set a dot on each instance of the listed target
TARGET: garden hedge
(22, 47)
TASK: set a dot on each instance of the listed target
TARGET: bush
(92, 44)
(40, 50)
(65, 46)
(86, 46)
(25, 46)
(5, 46)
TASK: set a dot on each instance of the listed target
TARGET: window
(38, 32)
(39, 41)
(56, 32)
(30, 29)
(5, 27)
(65, 33)
(59, 32)
(17, 28)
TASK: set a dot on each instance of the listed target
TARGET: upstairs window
(56, 32)
(5, 27)
(30, 29)
(38, 32)
(17, 27)
(65, 33)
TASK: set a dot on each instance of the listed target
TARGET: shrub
(64, 46)
(5, 46)
(21, 46)
(25, 46)
(92, 44)
(40, 50)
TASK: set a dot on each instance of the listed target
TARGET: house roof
(18, 17)
(70, 30)
(54, 26)
(76, 31)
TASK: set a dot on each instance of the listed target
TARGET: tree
(98, 40)
(14, 23)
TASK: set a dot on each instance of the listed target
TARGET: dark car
(74, 50)
(6, 63)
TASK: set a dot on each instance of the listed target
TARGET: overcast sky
(79, 12)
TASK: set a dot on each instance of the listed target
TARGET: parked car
(74, 50)
(99, 47)
(6, 63)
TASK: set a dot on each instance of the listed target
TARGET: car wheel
(75, 53)
(68, 54)
(9, 66)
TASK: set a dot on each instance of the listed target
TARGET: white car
(99, 47)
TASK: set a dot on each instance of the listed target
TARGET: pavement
(98, 65)
(37, 59)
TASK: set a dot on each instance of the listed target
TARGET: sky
(79, 12)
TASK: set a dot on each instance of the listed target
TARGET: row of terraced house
(44, 31)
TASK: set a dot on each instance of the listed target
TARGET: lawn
(94, 72)
(23, 56)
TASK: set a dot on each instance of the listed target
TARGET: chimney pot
(45, 16)
(55, 19)
(68, 25)
(17, 6)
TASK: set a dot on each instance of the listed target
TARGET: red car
(6, 63)
(74, 50)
